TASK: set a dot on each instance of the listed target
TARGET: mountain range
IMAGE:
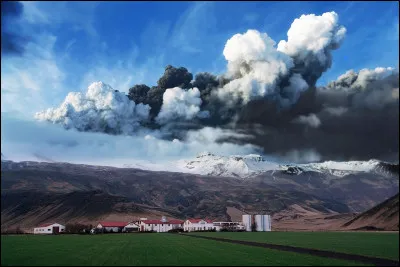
(219, 188)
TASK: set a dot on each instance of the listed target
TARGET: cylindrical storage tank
(246, 220)
(259, 223)
(263, 223)
(269, 228)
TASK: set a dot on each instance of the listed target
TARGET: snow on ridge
(207, 163)
(245, 166)
(239, 166)
(357, 166)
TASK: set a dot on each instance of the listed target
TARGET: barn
(49, 228)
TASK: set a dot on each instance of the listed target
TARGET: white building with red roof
(159, 226)
(49, 228)
(198, 225)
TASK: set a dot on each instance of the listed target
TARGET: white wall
(160, 228)
(48, 229)
(202, 225)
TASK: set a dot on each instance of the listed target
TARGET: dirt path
(315, 252)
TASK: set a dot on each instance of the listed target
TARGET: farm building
(228, 225)
(198, 225)
(159, 226)
(112, 226)
(131, 227)
(49, 228)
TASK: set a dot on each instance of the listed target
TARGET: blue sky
(125, 43)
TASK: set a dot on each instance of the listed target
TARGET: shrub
(13, 231)
(77, 228)
(177, 230)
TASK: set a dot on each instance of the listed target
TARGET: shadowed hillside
(384, 216)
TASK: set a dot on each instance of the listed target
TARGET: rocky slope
(384, 216)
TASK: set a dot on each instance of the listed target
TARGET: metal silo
(263, 223)
(246, 220)
(269, 228)
(259, 223)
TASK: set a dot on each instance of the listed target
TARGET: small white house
(160, 226)
(198, 225)
(49, 228)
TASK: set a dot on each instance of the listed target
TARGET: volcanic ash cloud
(100, 109)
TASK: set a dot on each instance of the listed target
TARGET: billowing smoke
(369, 88)
(100, 109)
(268, 97)
(311, 120)
(255, 63)
(172, 77)
(179, 104)
(352, 80)
(206, 82)
(12, 42)
(175, 77)
(311, 40)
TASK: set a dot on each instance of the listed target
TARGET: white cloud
(179, 104)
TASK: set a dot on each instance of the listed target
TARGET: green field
(380, 245)
(143, 249)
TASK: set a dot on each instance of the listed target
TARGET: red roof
(176, 221)
(113, 224)
(198, 220)
(161, 222)
(46, 224)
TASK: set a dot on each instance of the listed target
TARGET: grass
(380, 245)
(143, 249)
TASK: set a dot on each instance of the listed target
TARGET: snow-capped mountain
(335, 168)
(231, 166)
(245, 166)
(250, 165)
